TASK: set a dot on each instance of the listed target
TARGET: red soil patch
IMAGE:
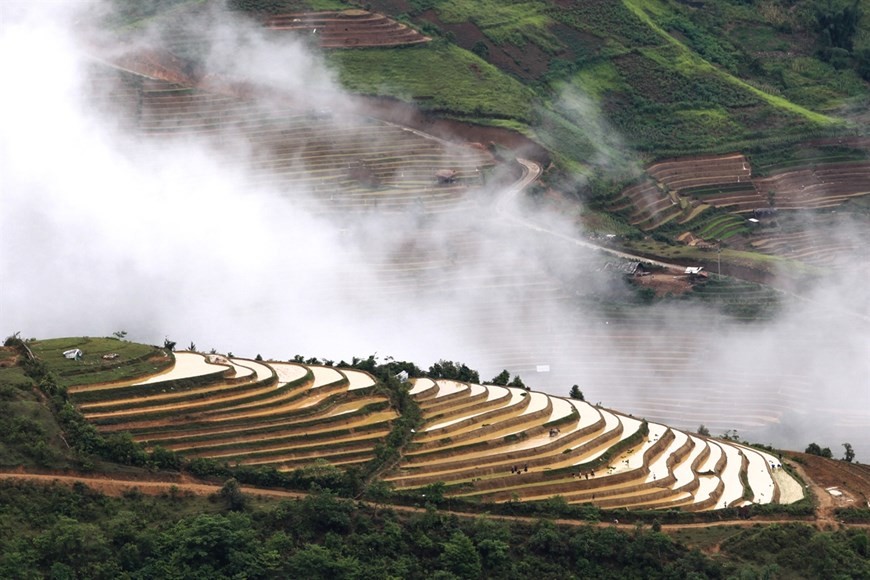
(156, 64)
(665, 283)
(852, 480)
(407, 115)
(8, 356)
(532, 61)
(117, 487)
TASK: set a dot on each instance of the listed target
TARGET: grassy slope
(134, 359)
(439, 76)
(29, 434)
(669, 78)
(598, 81)
(646, 9)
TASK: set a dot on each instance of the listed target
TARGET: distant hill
(684, 128)
(667, 77)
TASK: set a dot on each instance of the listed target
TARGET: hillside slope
(464, 437)
(670, 77)
(598, 81)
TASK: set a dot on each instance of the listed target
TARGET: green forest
(54, 531)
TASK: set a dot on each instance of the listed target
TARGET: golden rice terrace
(486, 442)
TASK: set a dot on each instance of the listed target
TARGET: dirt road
(116, 487)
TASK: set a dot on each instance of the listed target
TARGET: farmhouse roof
(624, 267)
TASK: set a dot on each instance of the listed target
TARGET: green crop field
(133, 360)
(439, 76)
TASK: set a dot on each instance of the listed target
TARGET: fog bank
(103, 228)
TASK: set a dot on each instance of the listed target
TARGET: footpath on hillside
(117, 487)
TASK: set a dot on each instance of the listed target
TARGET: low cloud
(102, 229)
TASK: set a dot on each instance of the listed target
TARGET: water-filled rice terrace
(246, 412)
(504, 443)
(486, 442)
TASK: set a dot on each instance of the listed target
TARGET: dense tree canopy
(61, 532)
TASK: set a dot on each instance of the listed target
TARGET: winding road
(508, 199)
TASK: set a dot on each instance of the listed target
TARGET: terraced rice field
(647, 205)
(816, 187)
(683, 173)
(239, 411)
(830, 247)
(324, 161)
(738, 197)
(347, 29)
(483, 441)
(506, 444)
(721, 227)
(680, 189)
